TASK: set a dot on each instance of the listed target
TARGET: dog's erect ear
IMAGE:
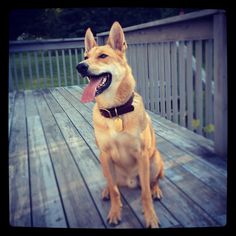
(116, 37)
(89, 40)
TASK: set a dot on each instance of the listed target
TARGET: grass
(44, 75)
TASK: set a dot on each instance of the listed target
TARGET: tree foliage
(72, 22)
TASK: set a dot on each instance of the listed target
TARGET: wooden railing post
(220, 76)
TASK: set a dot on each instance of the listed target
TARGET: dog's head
(104, 66)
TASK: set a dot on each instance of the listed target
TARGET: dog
(123, 131)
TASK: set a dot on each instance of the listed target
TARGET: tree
(25, 21)
(72, 22)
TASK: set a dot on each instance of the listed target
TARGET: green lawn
(21, 70)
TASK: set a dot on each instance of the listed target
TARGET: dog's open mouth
(97, 85)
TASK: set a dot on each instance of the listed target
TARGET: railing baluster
(22, 70)
(77, 62)
(162, 77)
(71, 69)
(167, 75)
(174, 81)
(190, 84)
(15, 71)
(30, 69)
(58, 70)
(182, 83)
(141, 70)
(146, 76)
(44, 71)
(37, 68)
(198, 90)
(137, 69)
(134, 65)
(156, 78)
(151, 66)
(64, 67)
(51, 70)
(11, 83)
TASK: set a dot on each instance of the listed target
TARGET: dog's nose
(82, 68)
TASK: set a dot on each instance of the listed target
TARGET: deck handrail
(45, 44)
(170, 20)
(179, 63)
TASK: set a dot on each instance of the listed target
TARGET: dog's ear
(116, 37)
(89, 40)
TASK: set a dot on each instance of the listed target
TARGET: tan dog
(123, 130)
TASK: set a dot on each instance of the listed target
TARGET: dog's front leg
(144, 175)
(114, 215)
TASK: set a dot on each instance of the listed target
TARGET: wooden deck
(55, 179)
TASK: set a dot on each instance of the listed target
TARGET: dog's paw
(105, 194)
(156, 193)
(114, 216)
(151, 219)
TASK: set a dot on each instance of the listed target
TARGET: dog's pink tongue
(90, 90)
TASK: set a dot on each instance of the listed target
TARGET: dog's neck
(113, 100)
(122, 95)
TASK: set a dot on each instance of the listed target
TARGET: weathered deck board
(47, 210)
(79, 207)
(55, 179)
(19, 188)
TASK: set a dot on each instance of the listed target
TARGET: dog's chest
(123, 146)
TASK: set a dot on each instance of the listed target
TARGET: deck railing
(179, 63)
(44, 63)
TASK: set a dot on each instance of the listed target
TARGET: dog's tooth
(104, 80)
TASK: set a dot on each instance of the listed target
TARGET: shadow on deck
(56, 181)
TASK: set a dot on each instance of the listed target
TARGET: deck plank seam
(197, 177)
(160, 122)
(196, 203)
(53, 168)
(77, 129)
(71, 157)
(76, 164)
(29, 172)
(193, 155)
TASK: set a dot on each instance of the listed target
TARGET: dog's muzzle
(82, 68)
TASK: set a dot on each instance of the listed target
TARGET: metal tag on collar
(118, 122)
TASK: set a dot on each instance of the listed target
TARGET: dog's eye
(103, 56)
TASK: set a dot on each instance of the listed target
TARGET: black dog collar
(120, 110)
